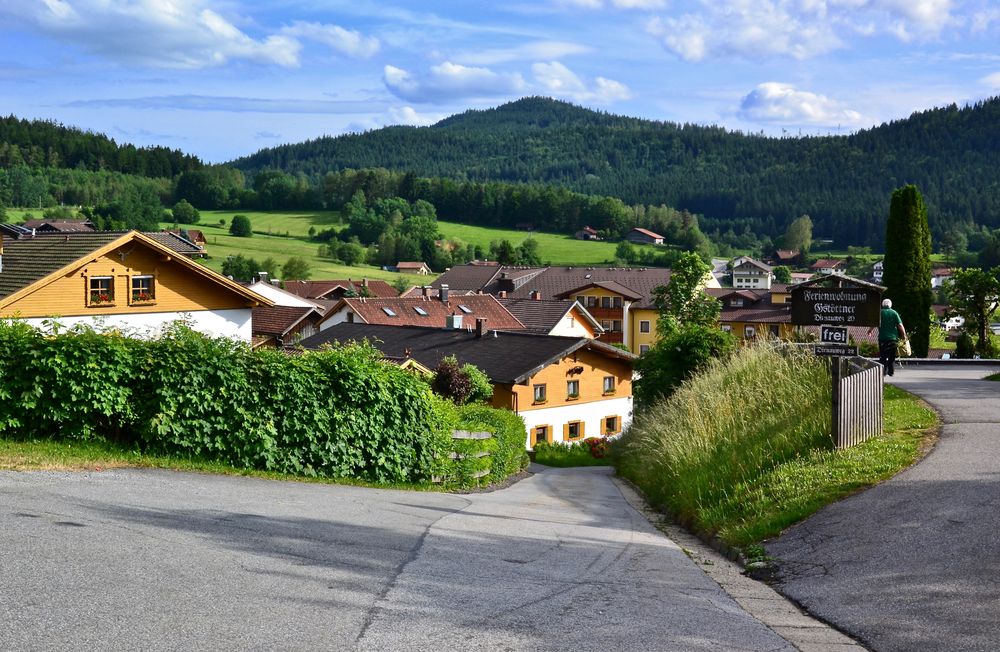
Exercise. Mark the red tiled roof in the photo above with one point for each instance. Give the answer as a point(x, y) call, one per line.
point(648, 233)
point(412, 265)
point(831, 263)
point(319, 289)
point(405, 311)
point(278, 320)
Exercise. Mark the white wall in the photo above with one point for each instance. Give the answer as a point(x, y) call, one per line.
point(236, 323)
point(572, 325)
point(338, 317)
point(590, 413)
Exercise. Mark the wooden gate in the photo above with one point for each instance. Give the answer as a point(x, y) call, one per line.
point(857, 400)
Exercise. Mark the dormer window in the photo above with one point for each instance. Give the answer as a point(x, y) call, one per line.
point(736, 302)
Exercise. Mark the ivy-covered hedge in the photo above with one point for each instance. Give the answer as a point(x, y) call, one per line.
point(507, 451)
point(336, 413)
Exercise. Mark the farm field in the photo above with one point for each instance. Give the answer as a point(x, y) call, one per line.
point(294, 223)
point(555, 249)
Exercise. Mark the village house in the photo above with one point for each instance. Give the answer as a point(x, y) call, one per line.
point(754, 313)
point(460, 311)
point(565, 318)
point(59, 226)
point(788, 257)
point(751, 274)
point(644, 236)
point(565, 388)
point(940, 276)
point(829, 266)
point(279, 326)
point(417, 267)
point(194, 236)
point(126, 281)
point(877, 269)
point(587, 233)
point(621, 299)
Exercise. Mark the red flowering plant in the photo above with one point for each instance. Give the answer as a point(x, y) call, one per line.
point(598, 447)
point(142, 296)
point(100, 297)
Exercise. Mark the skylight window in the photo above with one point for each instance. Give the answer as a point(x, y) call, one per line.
point(588, 276)
point(466, 309)
point(420, 311)
point(389, 311)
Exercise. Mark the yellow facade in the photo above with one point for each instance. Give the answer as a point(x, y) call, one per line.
point(165, 283)
point(587, 368)
point(640, 319)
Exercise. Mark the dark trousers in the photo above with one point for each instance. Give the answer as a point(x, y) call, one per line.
point(887, 355)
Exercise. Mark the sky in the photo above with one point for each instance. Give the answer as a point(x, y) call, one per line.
point(225, 78)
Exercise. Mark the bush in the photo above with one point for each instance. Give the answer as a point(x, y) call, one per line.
point(507, 453)
point(965, 347)
point(677, 357)
point(696, 452)
point(240, 226)
point(185, 213)
point(480, 387)
point(335, 413)
point(589, 452)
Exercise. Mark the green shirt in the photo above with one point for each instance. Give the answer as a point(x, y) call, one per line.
point(888, 327)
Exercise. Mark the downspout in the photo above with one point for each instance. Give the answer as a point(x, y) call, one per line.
point(626, 329)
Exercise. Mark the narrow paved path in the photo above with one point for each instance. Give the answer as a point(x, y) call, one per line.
point(157, 560)
point(914, 563)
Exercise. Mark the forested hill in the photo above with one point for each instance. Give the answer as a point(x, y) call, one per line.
point(46, 144)
point(735, 180)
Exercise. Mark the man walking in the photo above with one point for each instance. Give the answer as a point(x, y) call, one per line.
point(890, 331)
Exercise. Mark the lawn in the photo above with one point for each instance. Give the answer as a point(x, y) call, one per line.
point(293, 223)
point(555, 249)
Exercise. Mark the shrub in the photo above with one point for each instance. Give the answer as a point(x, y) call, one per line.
point(451, 382)
point(240, 226)
point(185, 213)
point(732, 423)
point(508, 455)
point(965, 347)
point(480, 387)
point(676, 357)
point(589, 452)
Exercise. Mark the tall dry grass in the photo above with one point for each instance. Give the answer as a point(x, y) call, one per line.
point(697, 452)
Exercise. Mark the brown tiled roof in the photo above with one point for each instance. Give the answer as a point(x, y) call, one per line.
point(62, 226)
point(407, 311)
point(543, 315)
point(610, 286)
point(755, 263)
point(319, 289)
point(649, 233)
point(411, 265)
point(786, 254)
point(831, 263)
point(176, 242)
point(758, 312)
point(493, 355)
point(31, 259)
point(194, 235)
point(278, 320)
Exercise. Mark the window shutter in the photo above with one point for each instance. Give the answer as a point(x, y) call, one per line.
point(604, 425)
point(565, 431)
point(583, 432)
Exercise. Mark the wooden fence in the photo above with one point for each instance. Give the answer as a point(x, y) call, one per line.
point(857, 400)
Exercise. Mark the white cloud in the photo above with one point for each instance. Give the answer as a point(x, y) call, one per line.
point(556, 79)
point(783, 103)
point(800, 29)
point(345, 41)
point(174, 33)
point(449, 81)
point(534, 50)
point(992, 81)
point(407, 115)
point(617, 4)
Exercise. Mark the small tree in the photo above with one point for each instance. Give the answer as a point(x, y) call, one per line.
point(296, 269)
point(481, 388)
point(782, 274)
point(240, 226)
point(451, 382)
point(799, 234)
point(975, 295)
point(185, 213)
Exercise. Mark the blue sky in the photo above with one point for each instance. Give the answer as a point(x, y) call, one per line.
point(224, 78)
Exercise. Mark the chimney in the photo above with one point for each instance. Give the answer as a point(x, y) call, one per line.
point(502, 294)
point(262, 277)
point(443, 293)
point(536, 295)
point(425, 291)
point(453, 322)
point(480, 327)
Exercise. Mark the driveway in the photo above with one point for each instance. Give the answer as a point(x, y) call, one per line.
point(146, 559)
point(914, 563)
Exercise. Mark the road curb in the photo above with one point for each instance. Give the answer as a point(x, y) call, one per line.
point(763, 603)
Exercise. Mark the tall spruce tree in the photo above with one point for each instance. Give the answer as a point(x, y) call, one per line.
point(907, 275)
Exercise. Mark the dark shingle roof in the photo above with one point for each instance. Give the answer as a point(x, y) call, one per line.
point(62, 226)
point(467, 278)
point(176, 242)
point(31, 259)
point(538, 316)
point(508, 358)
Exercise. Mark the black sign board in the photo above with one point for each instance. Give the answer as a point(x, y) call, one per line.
point(844, 306)
point(835, 349)
point(833, 334)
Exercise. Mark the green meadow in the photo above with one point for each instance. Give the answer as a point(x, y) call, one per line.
point(555, 249)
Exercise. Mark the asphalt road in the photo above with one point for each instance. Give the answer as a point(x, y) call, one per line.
point(914, 563)
point(158, 560)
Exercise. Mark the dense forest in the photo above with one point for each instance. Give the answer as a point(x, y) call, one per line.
point(736, 182)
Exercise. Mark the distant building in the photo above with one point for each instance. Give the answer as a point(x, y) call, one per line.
point(59, 226)
point(940, 276)
point(751, 274)
point(587, 233)
point(416, 267)
point(829, 266)
point(787, 256)
point(445, 310)
point(643, 236)
point(877, 269)
point(338, 289)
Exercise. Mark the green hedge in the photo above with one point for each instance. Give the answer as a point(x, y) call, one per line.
point(507, 452)
point(335, 413)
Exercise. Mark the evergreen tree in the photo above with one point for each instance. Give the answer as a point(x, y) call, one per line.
point(907, 275)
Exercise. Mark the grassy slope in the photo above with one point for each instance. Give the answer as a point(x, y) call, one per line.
point(554, 248)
